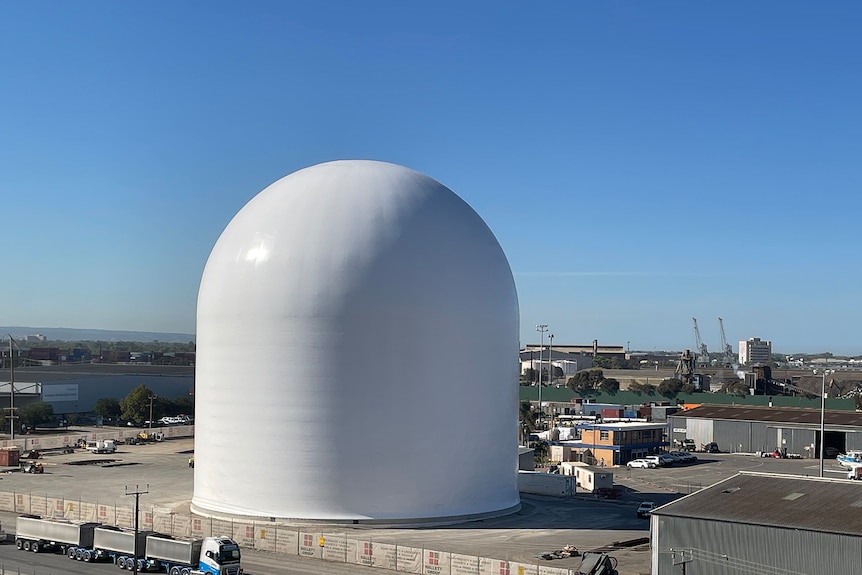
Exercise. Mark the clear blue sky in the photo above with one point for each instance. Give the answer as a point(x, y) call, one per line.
point(641, 163)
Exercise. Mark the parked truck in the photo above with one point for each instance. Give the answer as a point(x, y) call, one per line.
point(33, 533)
point(102, 446)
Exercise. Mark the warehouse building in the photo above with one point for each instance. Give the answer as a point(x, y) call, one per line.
point(751, 429)
point(760, 523)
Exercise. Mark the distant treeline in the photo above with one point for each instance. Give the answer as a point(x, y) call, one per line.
point(106, 346)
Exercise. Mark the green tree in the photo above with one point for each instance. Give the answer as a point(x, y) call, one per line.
point(586, 380)
point(609, 385)
point(670, 386)
point(35, 413)
point(107, 407)
point(136, 405)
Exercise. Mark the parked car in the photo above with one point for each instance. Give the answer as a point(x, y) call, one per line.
point(711, 447)
point(684, 456)
point(654, 459)
point(646, 508)
point(666, 460)
point(641, 463)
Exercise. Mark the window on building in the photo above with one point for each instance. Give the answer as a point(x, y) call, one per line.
point(604, 434)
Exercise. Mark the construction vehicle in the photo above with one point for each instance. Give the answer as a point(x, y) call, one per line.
point(32, 467)
point(597, 564)
point(93, 542)
point(151, 436)
point(33, 533)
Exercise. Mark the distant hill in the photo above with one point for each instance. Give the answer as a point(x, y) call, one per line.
point(74, 334)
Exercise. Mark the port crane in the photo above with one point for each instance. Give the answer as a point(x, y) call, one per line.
point(699, 345)
point(726, 349)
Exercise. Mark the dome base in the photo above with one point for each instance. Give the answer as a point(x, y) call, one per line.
point(364, 522)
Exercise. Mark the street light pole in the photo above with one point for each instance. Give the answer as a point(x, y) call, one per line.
point(822, 419)
point(12, 417)
point(152, 397)
point(541, 328)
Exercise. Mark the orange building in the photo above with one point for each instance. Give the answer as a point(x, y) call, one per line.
point(619, 443)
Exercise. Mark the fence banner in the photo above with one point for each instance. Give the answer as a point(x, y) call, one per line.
point(181, 525)
point(522, 569)
point(286, 541)
point(435, 562)
point(221, 528)
point(106, 514)
point(71, 509)
point(22, 503)
point(243, 533)
point(488, 566)
point(163, 522)
point(333, 546)
point(125, 517)
point(39, 505)
point(311, 544)
point(200, 528)
point(408, 559)
point(265, 536)
point(464, 564)
point(353, 551)
point(7, 501)
point(87, 511)
point(544, 570)
point(382, 555)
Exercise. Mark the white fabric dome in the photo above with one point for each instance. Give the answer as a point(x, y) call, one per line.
point(357, 344)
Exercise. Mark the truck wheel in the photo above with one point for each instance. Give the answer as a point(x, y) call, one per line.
point(70, 552)
point(185, 571)
point(88, 556)
point(34, 547)
point(121, 561)
point(175, 571)
point(19, 544)
point(130, 563)
point(26, 546)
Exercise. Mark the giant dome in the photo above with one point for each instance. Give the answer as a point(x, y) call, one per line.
point(357, 342)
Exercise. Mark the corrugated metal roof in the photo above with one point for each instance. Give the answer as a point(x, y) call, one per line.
point(786, 501)
point(772, 414)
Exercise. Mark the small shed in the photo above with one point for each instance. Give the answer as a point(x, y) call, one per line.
point(9, 457)
point(592, 478)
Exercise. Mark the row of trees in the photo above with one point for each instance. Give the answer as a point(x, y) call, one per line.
point(134, 407)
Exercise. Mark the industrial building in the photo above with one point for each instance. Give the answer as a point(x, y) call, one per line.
point(760, 523)
point(754, 350)
point(750, 429)
point(329, 266)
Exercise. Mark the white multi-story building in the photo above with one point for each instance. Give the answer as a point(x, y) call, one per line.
point(754, 350)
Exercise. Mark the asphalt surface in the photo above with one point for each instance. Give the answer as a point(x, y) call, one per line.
point(543, 524)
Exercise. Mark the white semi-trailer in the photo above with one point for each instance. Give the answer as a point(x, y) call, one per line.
point(33, 533)
point(112, 544)
point(216, 555)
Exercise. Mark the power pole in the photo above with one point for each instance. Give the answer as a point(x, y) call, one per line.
point(11, 407)
point(152, 397)
point(137, 493)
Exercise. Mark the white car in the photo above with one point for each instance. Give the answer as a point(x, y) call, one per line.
point(645, 508)
point(642, 463)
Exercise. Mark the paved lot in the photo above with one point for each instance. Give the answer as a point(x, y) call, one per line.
point(544, 523)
